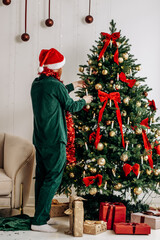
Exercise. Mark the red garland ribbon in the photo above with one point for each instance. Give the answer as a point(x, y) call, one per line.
point(152, 105)
point(127, 168)
point(115, 96)
point(157, 147)
point(113, 37)
point(147, 144)
point(70, 147)
point(91, 179)
point(130, 82)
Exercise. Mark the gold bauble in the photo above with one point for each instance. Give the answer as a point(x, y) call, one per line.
point(85, 128)
point(100, 64)
point(99, 46)
point(139, 145)
point(117, 86)
point(125, 56)
point(111, 82)
point(89, 61)
point(118, 186)
point(138, 103)
point(124, 157)
point(126, 100)
point(93, 191)
point(112, 133)
point(138, 68)
point(156, 135)
point(138, 190)
point(100, 146)
point(100, 106)
point(145, 158)
point(156, 172)
point(148, 171)
point(71, 175)
point(137, 83)
point(88, 106)
point(101, 161)
point(105, 144)
point(79, 127)
point(81, 69)
point(124, 113)
point(138, 131)
point(110, 85)
point(118, 44)
point(93, 170)
point(108, 122)
point(146, 105)
point(158, 132)
point(104, 72)
point(98, 86)
point(120, 60)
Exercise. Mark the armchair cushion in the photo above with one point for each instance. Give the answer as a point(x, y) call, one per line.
point(5, 183)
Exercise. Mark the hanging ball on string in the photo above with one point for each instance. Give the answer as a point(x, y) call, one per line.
point(89, 19)
point(6, 2)
point(25, 37)
point(49, 22)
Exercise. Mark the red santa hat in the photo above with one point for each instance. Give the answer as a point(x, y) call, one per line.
point(50, 58)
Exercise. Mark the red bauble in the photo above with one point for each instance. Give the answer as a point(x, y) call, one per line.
point(89, 19)
point(157, 147)
point(25, 37)
point(6, 2)
point(49, 22)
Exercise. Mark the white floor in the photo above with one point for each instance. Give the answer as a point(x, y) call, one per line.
point(63, 226)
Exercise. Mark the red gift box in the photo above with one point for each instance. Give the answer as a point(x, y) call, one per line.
point(132, 228)
point(112, 213)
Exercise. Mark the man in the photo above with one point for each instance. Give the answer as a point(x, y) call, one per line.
point(50, 100)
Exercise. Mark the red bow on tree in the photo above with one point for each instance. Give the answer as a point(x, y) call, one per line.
point(130, 82)
point(157, 147)
point(91, 179)
point(127, 168)
point(115, 96)
point(109, 37)
point(152, 105)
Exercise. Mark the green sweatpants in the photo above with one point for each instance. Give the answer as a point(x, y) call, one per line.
point(50, 163)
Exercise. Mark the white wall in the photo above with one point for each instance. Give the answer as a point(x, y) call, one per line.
point(138, 20)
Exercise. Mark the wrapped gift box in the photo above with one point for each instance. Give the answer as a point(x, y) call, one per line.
point(58, 209)
point(76, 216)
point(94, 227)
point(112, 213)
point(152, 218)
point(132, 228)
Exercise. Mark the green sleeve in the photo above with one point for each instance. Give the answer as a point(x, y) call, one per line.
point(67, 102)
point(70, 87)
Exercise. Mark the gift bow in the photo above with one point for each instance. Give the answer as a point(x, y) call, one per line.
point(127, 168)
point(130, 82)
point(152, 105)
point(152, 214)
point(91, 179)
point(109, 37)
point(147, 144)
point(115, 96)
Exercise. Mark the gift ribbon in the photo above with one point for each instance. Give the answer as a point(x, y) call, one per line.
point(147, 144)
point(91, 179)
point(113, 37)
point(115, 96)
point(127, 168)
point(123, 78)
point(134, 225)
point(152, 214)
point(152, 104)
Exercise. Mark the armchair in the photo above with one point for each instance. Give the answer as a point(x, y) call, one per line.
point(16, 167)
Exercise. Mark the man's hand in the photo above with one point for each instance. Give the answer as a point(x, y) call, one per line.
point(88, 99)
point(80, 83)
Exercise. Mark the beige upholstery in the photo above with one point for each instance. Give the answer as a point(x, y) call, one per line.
point(16, 167)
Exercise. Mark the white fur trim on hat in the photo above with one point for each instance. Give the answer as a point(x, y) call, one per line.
point(56, 65)
point(40, 69)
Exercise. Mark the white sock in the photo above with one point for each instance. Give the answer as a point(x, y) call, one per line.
point(43, 228)
point(51, 221)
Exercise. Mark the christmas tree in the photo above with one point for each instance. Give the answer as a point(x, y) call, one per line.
point(117, 146)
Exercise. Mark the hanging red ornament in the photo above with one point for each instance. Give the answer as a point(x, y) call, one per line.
point(25, 36)
point(49, 22)
point(6, 2)
point(89, 18)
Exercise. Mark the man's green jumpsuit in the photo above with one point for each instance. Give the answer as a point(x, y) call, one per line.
point(50, 100)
